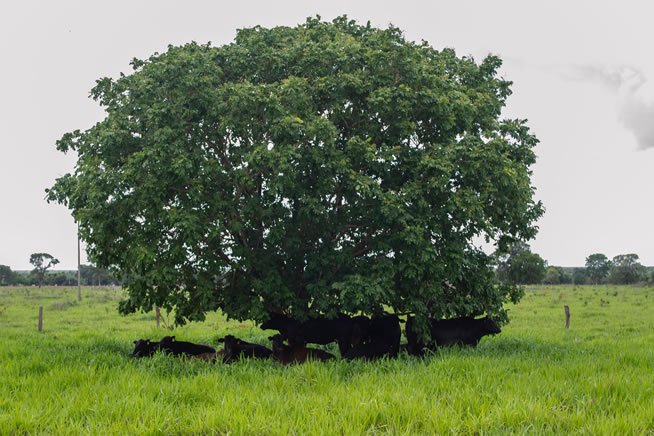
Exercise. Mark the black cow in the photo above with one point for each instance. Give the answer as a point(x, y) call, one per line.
point(210, 357)
point(457, 331)
point(285, 325)
point(144, 348)
point(359, 327)
point(295, 353)
point(170, 345)
point(369, 351)
point(462, 331)
point(386, 330)
point(236, 348)
point(341, 329)
point(380, 336)
point(414, 346)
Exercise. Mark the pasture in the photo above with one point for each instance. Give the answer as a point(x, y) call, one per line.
point(536, 377)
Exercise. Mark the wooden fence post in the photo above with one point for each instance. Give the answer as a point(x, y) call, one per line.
point(567, 316)
point(40, 318)
point(156, 308)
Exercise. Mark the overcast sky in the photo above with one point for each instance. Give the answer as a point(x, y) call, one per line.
point(583, 75)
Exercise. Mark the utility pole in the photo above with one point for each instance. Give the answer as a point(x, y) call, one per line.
point(79, 276)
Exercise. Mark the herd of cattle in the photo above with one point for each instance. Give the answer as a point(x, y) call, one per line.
point(358, 337)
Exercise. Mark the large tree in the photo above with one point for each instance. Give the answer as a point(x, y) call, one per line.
point(330, 167)
point(519, 265)
point(552, 276)
point(625, 269)
point(42, 262)
point(597, 267)
point(6, 275)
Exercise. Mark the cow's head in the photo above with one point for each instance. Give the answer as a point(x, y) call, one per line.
point(277, 342)
point(167, 340)
point(232, 349)
point(491, 327)
point(230, 341)
point(143, 348)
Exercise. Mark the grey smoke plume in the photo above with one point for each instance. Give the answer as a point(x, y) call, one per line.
point(621, 78)
point(636, 113)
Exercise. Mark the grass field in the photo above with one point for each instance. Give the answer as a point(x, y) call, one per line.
point(76, 377)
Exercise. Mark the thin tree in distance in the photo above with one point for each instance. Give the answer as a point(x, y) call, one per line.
point(42, 263)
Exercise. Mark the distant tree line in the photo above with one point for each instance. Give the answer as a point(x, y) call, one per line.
point(519, 266)
point(89, 275)
point(523, 267)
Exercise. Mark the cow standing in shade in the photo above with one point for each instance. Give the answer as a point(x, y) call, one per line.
point(457, 331)
point(342, 329)
point(284, 324)
point(369, 351)
point(379, 337)
point(462, 331)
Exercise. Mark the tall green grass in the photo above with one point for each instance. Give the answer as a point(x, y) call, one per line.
point(536, 377)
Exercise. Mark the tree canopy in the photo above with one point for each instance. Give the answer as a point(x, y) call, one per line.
point(598, 266)
point(519, 265)
point(552, 276)
point(42, 263)
point(6, 275)
point(626, 269)
point(329, 167)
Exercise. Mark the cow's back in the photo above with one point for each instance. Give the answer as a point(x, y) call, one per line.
point(461, 331)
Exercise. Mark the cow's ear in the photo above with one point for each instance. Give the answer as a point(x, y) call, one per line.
point(148, 342)
point(173, 339)
point(136, 342)
point(238, 342)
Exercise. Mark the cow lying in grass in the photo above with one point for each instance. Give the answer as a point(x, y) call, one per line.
point(210, 357)
point(287, 354)
point(446, 332)
point(236, 348)
point(170, 345)
point(144, 348)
